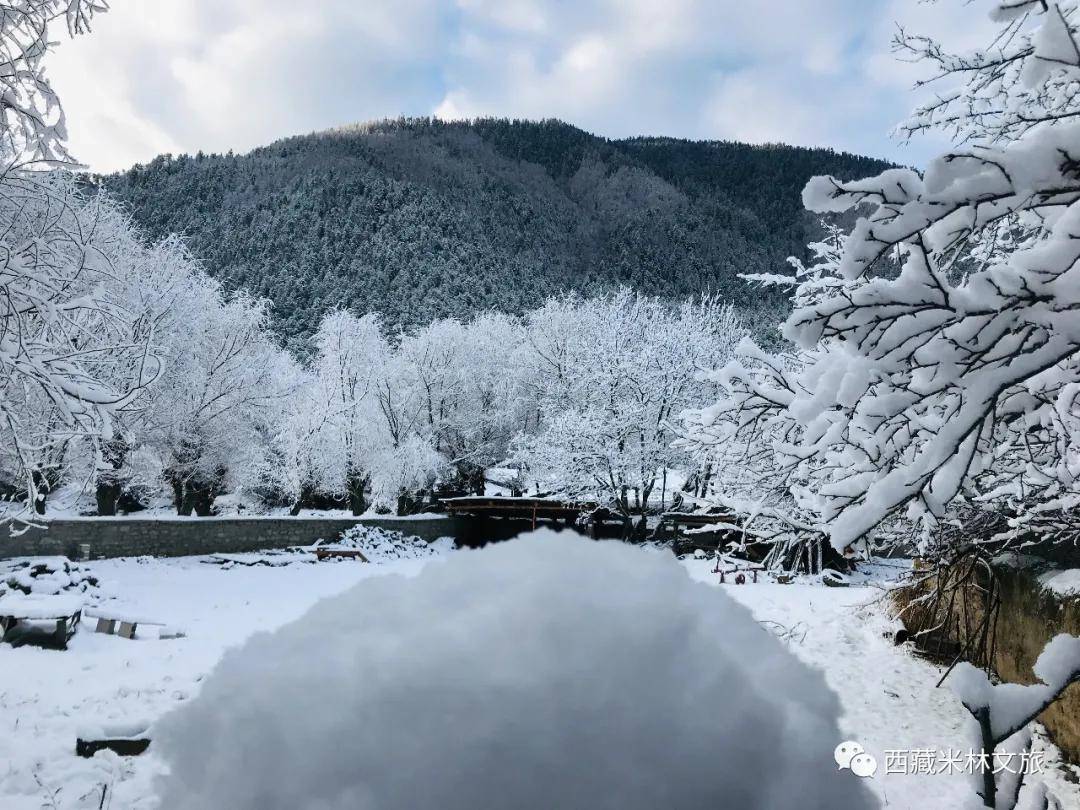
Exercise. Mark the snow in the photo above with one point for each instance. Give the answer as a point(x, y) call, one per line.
point(131, 730)
point(887, 696)
point(548, 671)
point(47, 697)
point(40, 607)
point(49, 576)
point(1059, 662)
point(1061, 582)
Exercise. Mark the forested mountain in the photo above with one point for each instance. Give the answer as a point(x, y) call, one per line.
point(421, 219)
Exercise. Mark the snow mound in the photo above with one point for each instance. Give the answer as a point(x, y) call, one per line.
point(49, 576)
point(1062, 583)
point(381, 545)
point(546, 672)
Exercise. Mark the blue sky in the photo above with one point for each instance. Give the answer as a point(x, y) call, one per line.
point(182, 75)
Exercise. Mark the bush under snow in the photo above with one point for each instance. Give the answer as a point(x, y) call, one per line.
point(379, 545)
point(49, 576)
point(546, 672)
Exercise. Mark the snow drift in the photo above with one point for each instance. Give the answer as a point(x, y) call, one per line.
point(549, 671)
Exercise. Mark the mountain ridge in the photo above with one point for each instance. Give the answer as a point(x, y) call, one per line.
point(422, 218)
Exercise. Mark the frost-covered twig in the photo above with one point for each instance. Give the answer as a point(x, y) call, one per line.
point(1002, 712)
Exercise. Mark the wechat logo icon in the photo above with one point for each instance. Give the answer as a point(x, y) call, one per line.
point(850, 755)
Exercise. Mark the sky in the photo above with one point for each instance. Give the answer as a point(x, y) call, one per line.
point(175, 76)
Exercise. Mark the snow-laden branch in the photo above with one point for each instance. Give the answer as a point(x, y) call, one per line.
point(958, 376)
point(1002, 712)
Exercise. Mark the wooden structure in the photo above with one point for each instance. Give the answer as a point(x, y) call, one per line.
point(127, 741)
point(531, 509)
point(688, 532)
point(123, 747)
point(121, 628)
point(126, 626)
point(21, 629)
point(738, 573)
point(335, 553)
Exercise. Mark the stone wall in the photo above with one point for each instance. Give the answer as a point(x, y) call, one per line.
point(177, 537)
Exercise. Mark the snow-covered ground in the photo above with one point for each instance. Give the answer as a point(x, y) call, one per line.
point(888, 696)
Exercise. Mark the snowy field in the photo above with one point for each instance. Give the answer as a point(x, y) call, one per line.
point(888, 697)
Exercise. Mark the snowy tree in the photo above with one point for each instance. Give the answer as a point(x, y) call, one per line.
point(32, 126)
point(75, 350)
point(748, 441)
point(809, 284)
point(304, 443)
point(404, 469)
point(611, 375)
point(375, 420)
point(412, 390)
point(156, 280)
point(468, 376)
point(351, 362)
point(76, 347)
point(958, 376)
point(207, 417)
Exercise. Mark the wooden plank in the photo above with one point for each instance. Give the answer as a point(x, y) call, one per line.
point(123, 747)
point(107, 626)
point(340, 553)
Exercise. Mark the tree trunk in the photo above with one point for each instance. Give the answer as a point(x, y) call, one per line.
point(705, 479)
point(107, 494)
point(110, 483)
point(177, 485)
point(356, 485)
point(197, 494)
point(201, 498)
point(476, 479)
point(204, 506)
point(40, 492)
point(407, 503)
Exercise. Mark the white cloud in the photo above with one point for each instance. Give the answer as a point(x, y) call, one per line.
point(234, 74)
point(755, 106)
point(514, 15)
point(183, 75)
